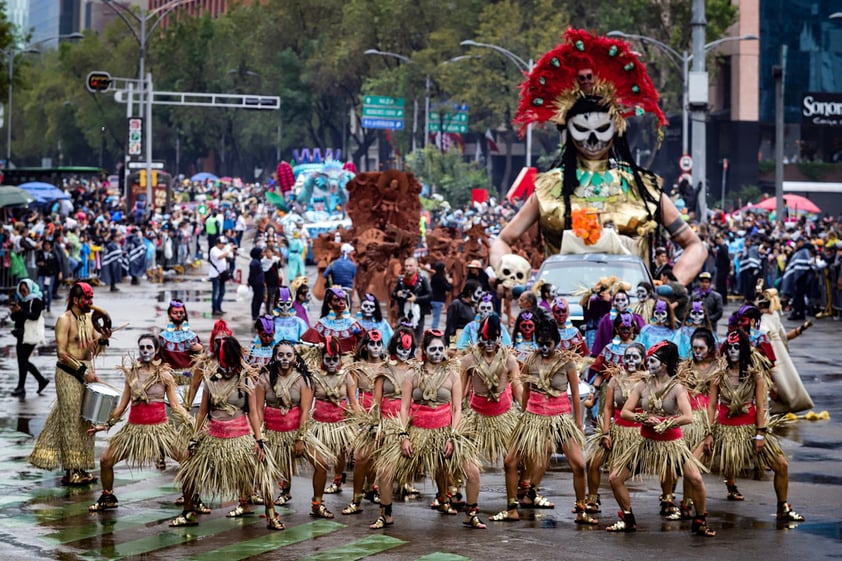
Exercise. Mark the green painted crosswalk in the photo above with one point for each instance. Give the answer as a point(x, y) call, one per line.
point(370, 545)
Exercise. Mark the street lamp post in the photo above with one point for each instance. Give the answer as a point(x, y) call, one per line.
point(685, 59)
point(10, 54)
point(523, 66)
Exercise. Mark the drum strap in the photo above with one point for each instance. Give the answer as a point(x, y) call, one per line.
point(79, 373)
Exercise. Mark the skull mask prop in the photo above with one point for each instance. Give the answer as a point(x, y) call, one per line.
point(513, 270)
point(592, 134)
point(697, 314)
point(285, 301)
point(621, 301)
point(660, 315)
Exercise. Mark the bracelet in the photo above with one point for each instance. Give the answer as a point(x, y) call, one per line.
point(763, 429)
point(759, 437)
point(640, 417)
point(260, 443)
point(111, 422)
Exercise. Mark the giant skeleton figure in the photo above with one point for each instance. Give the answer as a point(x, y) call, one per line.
point(587, 86)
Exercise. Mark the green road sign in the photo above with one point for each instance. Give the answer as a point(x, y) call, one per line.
point(383, 112)
point(382, 101)
point(449, 122)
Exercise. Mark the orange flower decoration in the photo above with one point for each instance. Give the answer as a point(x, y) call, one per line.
point(586, 225)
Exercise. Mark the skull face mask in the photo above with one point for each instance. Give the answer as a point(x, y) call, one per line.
point(403, 350)
point(485, 307)
point(435, 351)
point(660, 315)
point(367, 308)
point(527, 329)
point(697, 314)
point(632, 360)
point(145, 350)
point(621, 301)
point(488, 345)
point(284, 301)
point(642, 294)
point(592, 134)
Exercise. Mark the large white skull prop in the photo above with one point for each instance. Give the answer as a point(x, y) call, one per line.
point(592, 134)
point(513, 270)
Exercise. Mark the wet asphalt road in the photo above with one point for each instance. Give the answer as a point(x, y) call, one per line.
point(41, 520)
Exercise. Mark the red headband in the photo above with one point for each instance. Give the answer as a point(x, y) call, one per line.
point(87, 289)
point(734, 337)
point(655, 348)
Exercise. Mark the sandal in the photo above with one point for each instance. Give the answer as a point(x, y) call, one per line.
point(789, 515)
point(683, 512)
point(456, 501)
point(186, 518)
point(445, 507)
point(200, 508)
point(668, 506)
point(275, 523)
point(505, 515)
point(583, 516)
point(320, 511)
point(380, 523)
point(180, 500)
point(700, 527)
point(592, 504)
point(238, 512)
point(283, 499)
point(353, 508)
point(473, 521)
point(105, 501)
point(373, 496)
point(255, 499)
point(536, 500)
point(409, 490)
point(626, 523)
point(734, 494)
point(336, 485)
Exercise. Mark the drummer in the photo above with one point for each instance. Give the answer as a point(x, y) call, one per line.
point(147, 435)
point(65, 441)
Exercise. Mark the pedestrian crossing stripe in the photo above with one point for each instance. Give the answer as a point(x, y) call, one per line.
point(272, 540)
point(170, 537)
point(80, 507)
point(441, 556)
point(370, 545)
point(120, 524)
point(19, 501)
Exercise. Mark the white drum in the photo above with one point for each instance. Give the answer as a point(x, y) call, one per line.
point(99, 402)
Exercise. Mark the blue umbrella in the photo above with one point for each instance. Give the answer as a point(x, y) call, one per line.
point(44, 192)
point(204, 176)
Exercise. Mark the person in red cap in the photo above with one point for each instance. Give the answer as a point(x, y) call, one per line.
point(64, 441)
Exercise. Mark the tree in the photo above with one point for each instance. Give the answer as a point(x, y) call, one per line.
point(447, 174)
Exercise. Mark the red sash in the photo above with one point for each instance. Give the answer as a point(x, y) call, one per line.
point(148, 413)
point(390, 407)
point(427, 417)
point(278, 422)
point(327, 412)
point(620, 422)
point(366, 400)
point(229, 429)
point(722, 417)
point(699, 402)
point(649, 433)
point(491, 408)
point(546, 406)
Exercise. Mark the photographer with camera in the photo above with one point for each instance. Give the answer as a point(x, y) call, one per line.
point(412, 296)
point(218, 273)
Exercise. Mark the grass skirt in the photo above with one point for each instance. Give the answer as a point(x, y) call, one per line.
point(227, 468)
point(427, 458)
point(64, 442)
point(694, 433)
point(336, 437)
point(492, 434)
point(623, 439)
point(533, 431)
point(281, 446)
point(733, 449)
point(660, 458)
point(143, 445)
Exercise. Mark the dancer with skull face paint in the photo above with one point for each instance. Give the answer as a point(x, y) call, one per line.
point(695, 374)
point(596, 169)
point(178, 342)
point(696, 318)
point(335, 393)
point(336, 322)
point(147, 436)
point(64, 440)
point(605, 332)
point(665, 407)
point(371, 317)
point(741, 437)
point(571, 337)
point(367, 362)
point(524, 334)
point(432, 441)
point(491, 380)
point(662, 326)
point(548, 422)
point(615, 435)
point(388, 384)
point(288, 326)
point(645, 304)
point(470, 333)
point(284, 394)
point(228, 457)
point(747, 318)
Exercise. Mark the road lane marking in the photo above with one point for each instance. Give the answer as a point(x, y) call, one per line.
point(370, 545)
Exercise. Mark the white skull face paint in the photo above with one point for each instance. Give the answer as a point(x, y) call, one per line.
point(375, 348)
point(632, 360)
point(621, 301)
point(592, 134)
point(403, 354)
point(285, 306)
point(488, 345)
point(485, 309)
point(654, 364)
point(331, 363)
point(733, 352)
point(642, 294)
point(697, 317)
point(367, 308)
point(284, 356)
point(700, 350)
point(435, 351)
point(477, 295)
point(146, 350)
point(546, 348)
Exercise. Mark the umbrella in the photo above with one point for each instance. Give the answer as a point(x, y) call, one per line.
point(14, 196)
point(204, 176)
point(794, 202)
point(44, 192)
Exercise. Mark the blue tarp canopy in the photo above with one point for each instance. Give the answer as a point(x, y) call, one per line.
point(44, 192)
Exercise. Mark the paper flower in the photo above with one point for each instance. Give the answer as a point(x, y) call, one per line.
point(586, 225)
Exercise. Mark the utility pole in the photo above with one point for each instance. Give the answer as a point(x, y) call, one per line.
point(779, 74)
point(698, 100)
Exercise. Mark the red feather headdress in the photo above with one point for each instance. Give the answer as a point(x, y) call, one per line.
point(561, 78)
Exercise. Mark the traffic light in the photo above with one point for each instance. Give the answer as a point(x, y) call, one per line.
point(142, 178)
point(98, 81)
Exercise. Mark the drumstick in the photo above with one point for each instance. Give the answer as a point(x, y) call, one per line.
point(125, 325)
